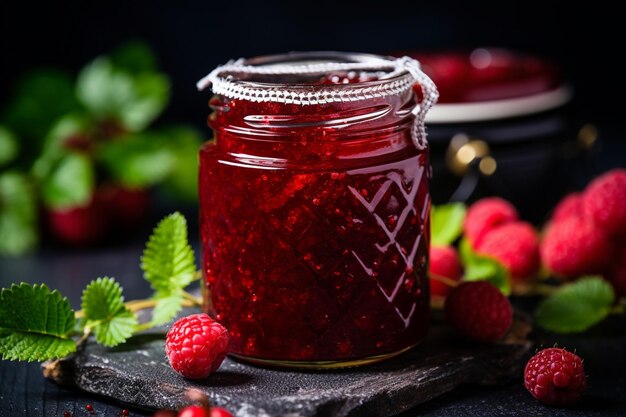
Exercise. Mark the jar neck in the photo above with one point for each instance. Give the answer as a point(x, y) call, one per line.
point(361, 129)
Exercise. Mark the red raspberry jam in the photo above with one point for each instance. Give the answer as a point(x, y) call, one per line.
point(315, 225)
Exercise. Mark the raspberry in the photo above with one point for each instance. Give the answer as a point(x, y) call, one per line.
point(555, 376)
point(617, 271)
point(197, 411)
point(479, 311)
point(604, 201)
point(486, 215)
point(574, 247)
point(444, 262)
point(193, 411)
point(516, 246)
point(570, 206)
point(196, 345)
point(220, 412)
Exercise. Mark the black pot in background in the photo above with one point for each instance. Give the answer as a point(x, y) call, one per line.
point(504, 127)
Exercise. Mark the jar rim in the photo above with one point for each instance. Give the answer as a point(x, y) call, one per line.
point(391, 77)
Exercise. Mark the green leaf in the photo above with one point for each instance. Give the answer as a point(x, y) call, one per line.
point(70, 181)
point(483, 268)
point(113, 93)
point(39, 100)
point(134, 57)
point(8, 146)
point(166, 308)
point(68, 127)
point(577, 306)
point(168, 261)
point(35, 324)
point(138, 160)
point(446, 223)
point(105, 312)
point(18, 214)
point(182, 181)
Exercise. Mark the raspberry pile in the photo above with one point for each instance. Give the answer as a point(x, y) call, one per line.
point(587, 232)
point(555, 376)
point(196, 345)
point(493, 228)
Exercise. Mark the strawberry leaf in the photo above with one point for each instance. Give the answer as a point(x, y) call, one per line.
point(112, 92)
point(35, 323)
point(483, 268)
point(166, 308)
point(105, 312)
point(70, 181)
point(446, 223)
point(8, 146)
point(577, 306)
point(18, 214)
point(168, 261)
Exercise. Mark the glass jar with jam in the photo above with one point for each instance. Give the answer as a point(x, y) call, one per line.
point(314, 207)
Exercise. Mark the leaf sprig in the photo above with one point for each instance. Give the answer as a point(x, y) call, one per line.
point(37, 324)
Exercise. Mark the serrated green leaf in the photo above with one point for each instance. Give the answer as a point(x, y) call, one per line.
point(40, 98)
point(446, 223)
point(8, 146)
point(483, 268)
point(113, 93)
point(138, 160)
point(117, 329)
point(102, 299)
point(70, 182)
point(167, 308)
point(577, 306)
point(168, 261)
point(105, 313)
point(18, 214)
point(35, 323)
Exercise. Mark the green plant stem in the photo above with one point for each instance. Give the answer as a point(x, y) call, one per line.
point(543, 290)
point(84, 337)
point(196, 301)
point(447, 281)
point(136, 305)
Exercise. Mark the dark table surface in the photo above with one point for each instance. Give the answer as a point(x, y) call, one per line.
point(24, 391)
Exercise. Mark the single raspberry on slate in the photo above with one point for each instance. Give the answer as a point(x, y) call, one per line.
point(570, 206)
point(485, 215)
point(479, 311)
point(604, 201)
point(555, 376)
point(516, 246)
point(444, 262)
point(616, 273)
point(196, 345)
point(574, 247)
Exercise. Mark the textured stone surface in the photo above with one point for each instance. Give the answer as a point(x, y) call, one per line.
point(137, 373)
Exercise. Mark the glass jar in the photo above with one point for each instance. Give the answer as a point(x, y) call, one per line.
point(314, 208)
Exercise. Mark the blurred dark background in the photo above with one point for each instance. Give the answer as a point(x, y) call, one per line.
point(191, 38)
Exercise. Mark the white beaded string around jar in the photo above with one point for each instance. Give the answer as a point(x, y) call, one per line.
point(223, 83)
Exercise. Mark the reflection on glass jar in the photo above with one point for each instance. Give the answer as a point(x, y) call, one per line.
point(315, 217)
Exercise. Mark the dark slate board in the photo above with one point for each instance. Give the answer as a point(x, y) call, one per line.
point(138, 374)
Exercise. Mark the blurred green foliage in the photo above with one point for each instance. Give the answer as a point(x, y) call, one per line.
point(61, 139)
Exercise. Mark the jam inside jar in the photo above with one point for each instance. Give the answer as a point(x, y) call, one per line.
point(314, 210)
